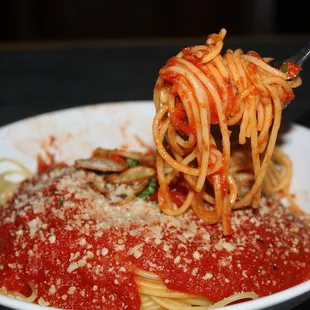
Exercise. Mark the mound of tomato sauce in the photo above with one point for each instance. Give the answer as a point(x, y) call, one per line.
point(78, 251)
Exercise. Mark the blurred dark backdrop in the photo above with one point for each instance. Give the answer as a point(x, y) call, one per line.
point(33, 20)
point(56, 54)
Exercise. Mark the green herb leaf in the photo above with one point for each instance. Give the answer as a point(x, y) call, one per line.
point(284, 68)
point(132, 163)
point(149, 190)
point(153, 183)
point(146, 192)
point(61, 201)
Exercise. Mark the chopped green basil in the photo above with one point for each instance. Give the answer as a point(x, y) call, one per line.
point(149, 190)
point(152, 183)
point(132, 163)
point(284, 68)
point(61, 201)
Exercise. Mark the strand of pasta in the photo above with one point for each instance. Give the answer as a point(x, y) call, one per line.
point(13, 168)
point(31, 298)
point(155, 295)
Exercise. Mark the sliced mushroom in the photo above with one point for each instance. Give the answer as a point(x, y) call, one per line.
point(132, 155)
point(101, 164)
point(100, 152)
point(138, 187)
point(123, 200)
point(131, 175)
point(99, 186)
point(136, 156)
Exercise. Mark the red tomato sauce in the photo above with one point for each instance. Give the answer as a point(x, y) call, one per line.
point(254, 54)
point(115, 157)
point(178, 191)
point(180, 121)
point(292, 69)
point(55, 234)
point(49, 164)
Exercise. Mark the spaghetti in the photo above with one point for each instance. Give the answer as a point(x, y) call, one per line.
point(199, 88)
point(15, 169)
point(155, 295)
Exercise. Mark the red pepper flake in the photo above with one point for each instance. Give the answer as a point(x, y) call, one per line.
point(180, 121)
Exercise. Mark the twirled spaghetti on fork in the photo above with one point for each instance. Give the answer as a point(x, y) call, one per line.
point(199, 88)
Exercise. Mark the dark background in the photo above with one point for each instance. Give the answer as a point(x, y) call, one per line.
point(41, 20)
point(56, 54)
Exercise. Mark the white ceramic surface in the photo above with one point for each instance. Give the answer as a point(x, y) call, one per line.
point(78, 131)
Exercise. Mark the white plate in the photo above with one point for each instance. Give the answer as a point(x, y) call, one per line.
point(78, 131)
